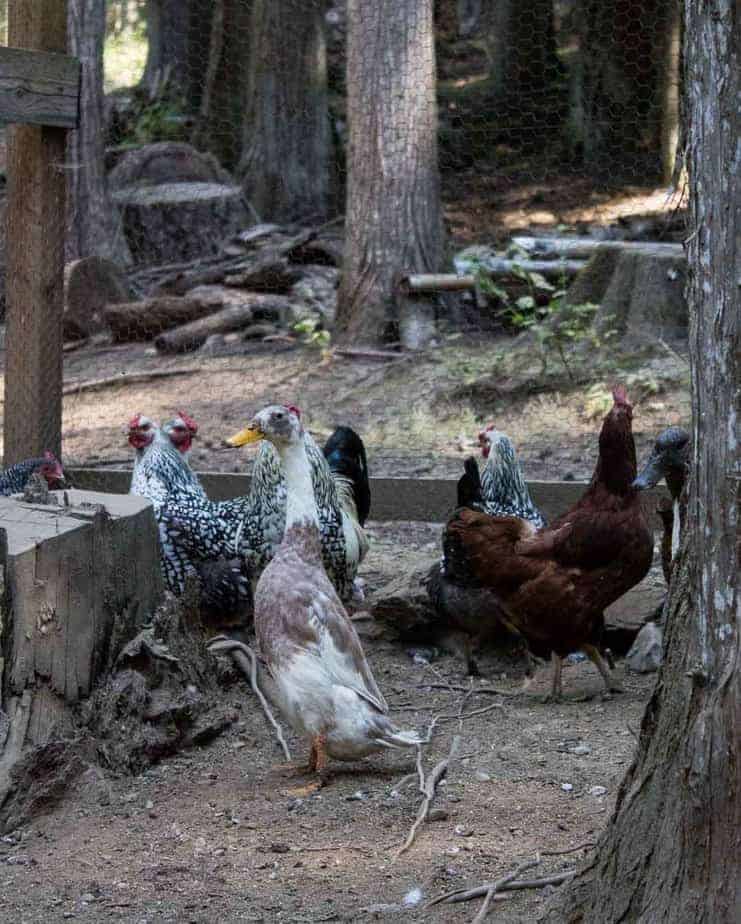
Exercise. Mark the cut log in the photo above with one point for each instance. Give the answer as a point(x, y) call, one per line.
point(180, 221)
point(89, 285)
point(474, 258)
point(187, 277)
point(268, 273)
point(72, 607)
point(437, 282)
point(136, 321)
point(193, 335)
point(573, 248)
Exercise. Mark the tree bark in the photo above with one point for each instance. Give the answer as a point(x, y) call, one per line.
point(622, 107)
point(93, 222)
point(285, 166)
point(524, 66)
point(670, 852)
point(394, 215)
point(225, 82)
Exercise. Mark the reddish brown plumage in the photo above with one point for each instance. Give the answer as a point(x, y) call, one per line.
point(555, 584)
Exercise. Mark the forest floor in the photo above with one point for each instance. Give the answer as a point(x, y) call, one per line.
point(219, 833)
point(418, 415)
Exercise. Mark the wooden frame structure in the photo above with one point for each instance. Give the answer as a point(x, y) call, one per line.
point(39, 94)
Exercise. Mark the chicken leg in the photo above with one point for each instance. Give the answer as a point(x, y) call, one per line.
point(556, 686)
point(593, 653)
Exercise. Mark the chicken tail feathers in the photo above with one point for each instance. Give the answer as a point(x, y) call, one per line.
point(345, 455)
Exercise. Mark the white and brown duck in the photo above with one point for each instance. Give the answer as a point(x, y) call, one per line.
point(322, 682)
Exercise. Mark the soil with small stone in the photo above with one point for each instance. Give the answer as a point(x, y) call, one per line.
point(221, 833)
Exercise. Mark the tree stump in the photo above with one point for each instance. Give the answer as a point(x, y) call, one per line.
point(639, 288)
point(89, 285)
point(166, 162)
point(79, 581)
point(174, 222)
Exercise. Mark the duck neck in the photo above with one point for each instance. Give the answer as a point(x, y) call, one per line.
point(301, 506)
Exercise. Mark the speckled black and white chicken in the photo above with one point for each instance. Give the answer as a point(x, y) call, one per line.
point(471, 611)
point(251, 527)
point(161, 474)
point(14, 479)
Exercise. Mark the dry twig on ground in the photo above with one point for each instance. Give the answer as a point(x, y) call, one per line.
point(428, 786)
point(244, 657)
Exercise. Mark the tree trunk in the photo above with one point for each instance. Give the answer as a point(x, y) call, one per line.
point(93, 222)
point(622, 107)
point(394, 216)
point(285, 166)
point(225, 82)
point(670, 852)
point(524, 66)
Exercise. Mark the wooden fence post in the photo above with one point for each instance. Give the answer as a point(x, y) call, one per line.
point(35, 254)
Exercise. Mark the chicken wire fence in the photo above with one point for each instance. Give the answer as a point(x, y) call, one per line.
point(210, 179)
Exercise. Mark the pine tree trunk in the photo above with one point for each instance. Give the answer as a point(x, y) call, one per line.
point(621, 107)
point(394, 217)
point(93, 222)
point(225, 82)
point(285, 166)
point(671, 850)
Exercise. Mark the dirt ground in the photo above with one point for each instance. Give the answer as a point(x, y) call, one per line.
point(419, 416)
point(219, 833)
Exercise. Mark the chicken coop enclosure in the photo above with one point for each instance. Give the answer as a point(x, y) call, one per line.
point(211, 207)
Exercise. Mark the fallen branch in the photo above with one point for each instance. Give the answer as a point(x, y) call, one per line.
point(488, 691)
point(372, 354)
point(127, 378)
point(244, 657)
point(467, 895)
point(427, 788)
point(496, 886)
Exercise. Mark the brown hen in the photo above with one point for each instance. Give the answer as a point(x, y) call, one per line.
point(555, 584)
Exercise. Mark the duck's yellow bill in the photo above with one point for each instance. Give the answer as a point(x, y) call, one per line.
point(248, 435)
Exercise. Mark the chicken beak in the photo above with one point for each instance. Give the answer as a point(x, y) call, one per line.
point(248, 435)
point(651, 473)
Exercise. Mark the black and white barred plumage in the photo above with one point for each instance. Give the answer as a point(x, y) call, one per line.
point(14, 479)
point(252, 527)
point(503, 487)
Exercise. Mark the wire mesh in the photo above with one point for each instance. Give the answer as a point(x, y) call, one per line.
point(206, 216)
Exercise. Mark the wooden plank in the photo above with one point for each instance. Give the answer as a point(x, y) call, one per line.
point(393, 499)
point(35, 255)
point(39, 88)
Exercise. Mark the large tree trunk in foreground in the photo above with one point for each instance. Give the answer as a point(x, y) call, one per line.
point(286, 156)
point(671, 850)
point(394, 219)
point(93, 222)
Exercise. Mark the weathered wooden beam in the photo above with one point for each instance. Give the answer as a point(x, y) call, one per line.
point(39, 88)
point(35, 255)
point(422, 499)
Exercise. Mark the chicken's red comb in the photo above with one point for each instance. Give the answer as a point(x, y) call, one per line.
point(135, 421)
point(49, 455)
point(188, 421)
point(294, 410)
point(620, 395)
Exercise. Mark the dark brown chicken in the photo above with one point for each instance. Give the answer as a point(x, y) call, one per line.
point(554, 584)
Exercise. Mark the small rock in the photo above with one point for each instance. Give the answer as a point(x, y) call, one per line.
point(87, 897)
point(598, 791)
point(581, 750)
point(358, 796)
point(149, 805)
point(645, 655)
point(280, 848)
point(576, 657)
point(438, 815)
point(452, 797)
point(483, 776)
point(462, 831)
point(413, 897)
point(567, 787)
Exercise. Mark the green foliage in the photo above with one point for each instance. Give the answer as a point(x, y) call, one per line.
point(313, 333)
point(159, 120)
point(559, 328)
